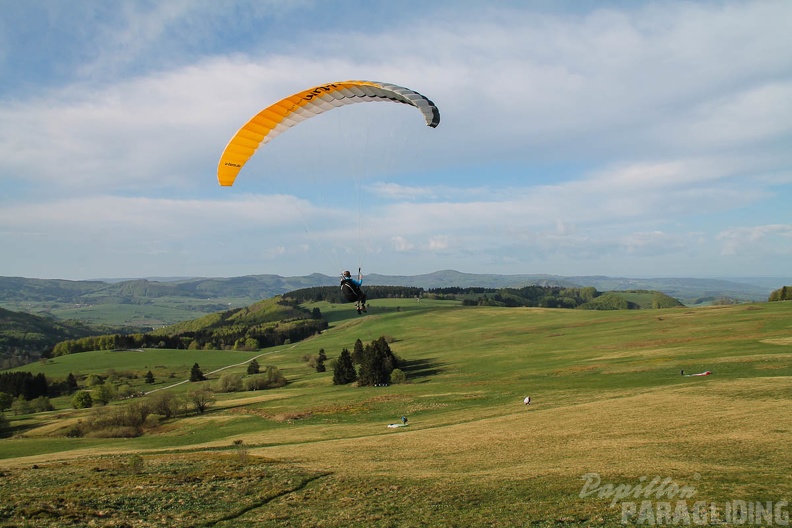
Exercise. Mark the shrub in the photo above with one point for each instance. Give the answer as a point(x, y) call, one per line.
point(95, 380)
point(41, 404)
point(21, 406)
point(229, 383)
point(164, 403)
point(117, 431)
point(82, 400)
point(125, 421)
point(271, 378)
point(135, 464)
point(243, 453)
point(398, 376)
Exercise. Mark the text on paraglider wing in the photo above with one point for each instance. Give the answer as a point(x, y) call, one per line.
point(229, 164)
point(318, 91)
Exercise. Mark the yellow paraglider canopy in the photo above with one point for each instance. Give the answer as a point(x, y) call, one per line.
point(303, 105)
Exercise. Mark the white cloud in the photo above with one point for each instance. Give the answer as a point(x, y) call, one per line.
point(775, 240)
point(401, 244)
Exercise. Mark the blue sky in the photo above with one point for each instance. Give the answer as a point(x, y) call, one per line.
point(637, 139)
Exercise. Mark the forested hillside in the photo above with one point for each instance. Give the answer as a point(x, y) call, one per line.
point(25, 338)
point(264, 324)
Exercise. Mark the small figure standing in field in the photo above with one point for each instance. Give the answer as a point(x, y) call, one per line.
point(527, 400)
point(404, 420)
point(682, 372)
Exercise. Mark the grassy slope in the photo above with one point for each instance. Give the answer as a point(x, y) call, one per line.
point(607, 398)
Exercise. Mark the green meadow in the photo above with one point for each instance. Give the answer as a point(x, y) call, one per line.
point(610, 413)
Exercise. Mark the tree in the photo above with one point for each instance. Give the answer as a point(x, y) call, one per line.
point(82, 400)
point(104, 393)
point(21, 406)
point(377, 363)
point(71, 383)
point(253, 367)
point(784, 293)
point(201, 399)
point(374, 369)
point(344, 371)
point(320, 361)
point(163, 403)
point(5, 401)
point(149, 377)
point(357, 352)
point(196, 374)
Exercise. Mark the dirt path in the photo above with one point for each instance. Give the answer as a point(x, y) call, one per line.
point(214, 371)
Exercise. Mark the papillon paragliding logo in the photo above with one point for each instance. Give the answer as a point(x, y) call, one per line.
point(661, 501)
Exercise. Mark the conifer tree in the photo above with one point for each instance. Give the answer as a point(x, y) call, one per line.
point(253, 367)
point(320, 361)
point(344, 371)
point(196, 374)
point(358, 352)
point(71, 383)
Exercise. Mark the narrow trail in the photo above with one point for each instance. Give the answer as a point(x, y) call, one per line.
point(239, 513)
point(214, 371)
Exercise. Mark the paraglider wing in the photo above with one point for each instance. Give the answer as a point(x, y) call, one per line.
point(287, 112)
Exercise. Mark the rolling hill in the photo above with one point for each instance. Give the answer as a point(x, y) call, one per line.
point(143, 303)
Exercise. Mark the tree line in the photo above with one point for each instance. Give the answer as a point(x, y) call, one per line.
point(332, 294)
point(784, 293)
point(584, 298)
point(231, 337)
point(24, 384)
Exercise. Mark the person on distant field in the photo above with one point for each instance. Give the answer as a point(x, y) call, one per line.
point(404, 420)
point(350, 289)
point(527, 400)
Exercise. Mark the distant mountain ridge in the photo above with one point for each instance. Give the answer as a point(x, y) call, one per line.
point(257, 287)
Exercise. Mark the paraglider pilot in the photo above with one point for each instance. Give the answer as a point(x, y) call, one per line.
point(350, 289)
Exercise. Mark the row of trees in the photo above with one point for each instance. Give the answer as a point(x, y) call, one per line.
point(17, 388)
point(238, 337)
point(24, 384)
point(373, 364)
point(332, 294)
